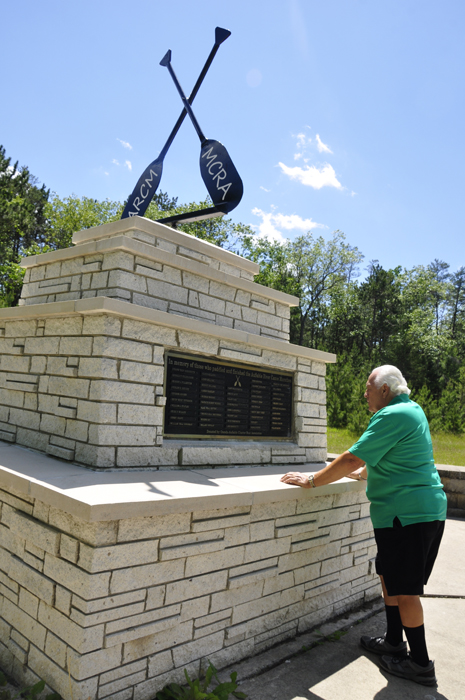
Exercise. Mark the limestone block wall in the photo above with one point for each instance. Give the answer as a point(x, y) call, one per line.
point(115, 609)
point(176, 273)
point(86, 385)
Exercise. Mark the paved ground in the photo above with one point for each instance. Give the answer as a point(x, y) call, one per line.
point(341, 670)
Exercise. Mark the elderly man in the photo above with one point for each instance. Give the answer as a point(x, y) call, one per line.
point(408, 510)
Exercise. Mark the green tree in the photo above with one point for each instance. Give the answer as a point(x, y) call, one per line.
point(379, 308)
point(440, 276)
point(68, 215)
point(23, 222)
point(456, 304)
point(321, 268)
point(345, 384)
point(422, 347)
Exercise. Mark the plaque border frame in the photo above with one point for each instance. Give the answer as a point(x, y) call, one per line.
point(225, 438)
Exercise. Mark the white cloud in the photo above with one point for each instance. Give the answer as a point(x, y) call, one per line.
point(115, 161)
point(264, 189)
point(298, 156)
point(322, 147)
point(312, 176)
point(128, 164)
point(273, 221)
point(302, 140)
point(106, 173)
point(125, 144)
point(292, 222)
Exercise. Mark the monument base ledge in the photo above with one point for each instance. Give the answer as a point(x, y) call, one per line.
point(119, 493)
point(113, 583)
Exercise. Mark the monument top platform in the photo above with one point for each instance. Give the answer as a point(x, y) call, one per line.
point(152, 233)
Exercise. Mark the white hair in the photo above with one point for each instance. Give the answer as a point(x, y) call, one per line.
point(390, 375)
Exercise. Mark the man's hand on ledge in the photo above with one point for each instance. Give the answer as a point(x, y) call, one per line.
point(296, 479)
point(343, 465)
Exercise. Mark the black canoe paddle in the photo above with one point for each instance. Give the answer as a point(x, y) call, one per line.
point(150, 179)
point(218, 172)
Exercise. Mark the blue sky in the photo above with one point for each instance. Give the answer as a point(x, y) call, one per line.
point(343, 114)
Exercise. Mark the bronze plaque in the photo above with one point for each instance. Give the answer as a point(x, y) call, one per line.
point(219, 399)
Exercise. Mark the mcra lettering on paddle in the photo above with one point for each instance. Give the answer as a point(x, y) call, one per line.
point(220, 176)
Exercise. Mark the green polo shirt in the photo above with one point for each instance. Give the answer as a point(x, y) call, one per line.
point(402, 478)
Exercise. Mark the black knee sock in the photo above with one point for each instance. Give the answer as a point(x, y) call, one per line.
point(417, 643)
point(394, 625)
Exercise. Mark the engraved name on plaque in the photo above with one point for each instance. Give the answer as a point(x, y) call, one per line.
point(218, 399)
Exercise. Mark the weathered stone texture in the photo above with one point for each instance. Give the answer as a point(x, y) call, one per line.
point(161, 275)
point(118, 603)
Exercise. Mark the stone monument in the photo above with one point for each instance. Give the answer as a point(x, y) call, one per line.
point(149, 402)
point(153, 360)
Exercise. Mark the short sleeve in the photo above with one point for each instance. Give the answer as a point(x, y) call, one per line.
point(382, 434)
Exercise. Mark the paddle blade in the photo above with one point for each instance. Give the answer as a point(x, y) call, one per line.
point(221, 35)
point(220, 176)
point(166, 59)
point(143, 192)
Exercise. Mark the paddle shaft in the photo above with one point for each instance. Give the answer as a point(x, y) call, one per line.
point(220, 36)
point(148, 182)
point(166, 61)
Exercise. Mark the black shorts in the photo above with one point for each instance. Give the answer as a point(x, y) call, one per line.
point(406, 555)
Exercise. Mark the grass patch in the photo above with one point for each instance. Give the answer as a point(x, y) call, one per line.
point(340, 439)
point(448, 448)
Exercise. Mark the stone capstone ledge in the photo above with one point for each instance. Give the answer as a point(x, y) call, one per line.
point(453, 480)
point(94, 239)
point(139, 248)
point(99, 305)
point(109, 495)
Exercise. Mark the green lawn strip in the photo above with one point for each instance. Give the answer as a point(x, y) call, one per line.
point(448, 448)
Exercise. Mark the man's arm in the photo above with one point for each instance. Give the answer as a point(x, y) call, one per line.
point(342, 466)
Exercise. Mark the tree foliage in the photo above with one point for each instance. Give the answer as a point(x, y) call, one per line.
point(22, 222)
point(414, 319)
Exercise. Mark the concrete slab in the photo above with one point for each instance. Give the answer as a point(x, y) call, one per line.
point(336, 667)
point(448, 577)
point(341, 670)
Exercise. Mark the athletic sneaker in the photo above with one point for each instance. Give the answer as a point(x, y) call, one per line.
point(408, 669)
point(378, 645)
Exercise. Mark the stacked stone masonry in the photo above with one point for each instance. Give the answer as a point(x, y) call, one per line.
point(89, 388)
point(175, 275)
point(111, 599)
point(117, 609)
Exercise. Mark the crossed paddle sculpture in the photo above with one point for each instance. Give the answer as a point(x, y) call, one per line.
point(218, 172)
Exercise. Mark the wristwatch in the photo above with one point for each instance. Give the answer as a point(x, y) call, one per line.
point(310, 481)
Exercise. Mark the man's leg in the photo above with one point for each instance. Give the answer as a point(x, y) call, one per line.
point(392, 643)
point(394, 622)
point(411, 613)
point(417, 666)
